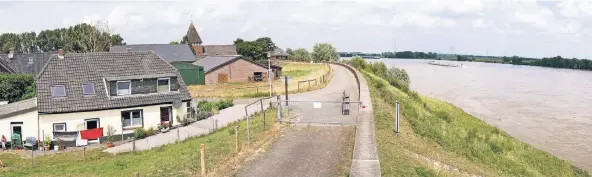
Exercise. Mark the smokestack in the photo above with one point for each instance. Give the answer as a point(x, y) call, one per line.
point(60, 54)
point(129, 50)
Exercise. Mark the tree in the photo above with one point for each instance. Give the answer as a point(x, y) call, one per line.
point(324, 52)
point(173, 42)
point(266, 43)
point(255, 50)
point(16, 87)
point(300, 54)
point(289, 51)
point(238, 40)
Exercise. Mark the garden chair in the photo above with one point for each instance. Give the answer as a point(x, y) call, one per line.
point(30, 143)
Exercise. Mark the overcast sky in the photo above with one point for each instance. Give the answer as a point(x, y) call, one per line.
point(524, 28)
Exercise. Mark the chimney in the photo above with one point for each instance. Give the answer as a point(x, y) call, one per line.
point(60, 54)
point(129, 50)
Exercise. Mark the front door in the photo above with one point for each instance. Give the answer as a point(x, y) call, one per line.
point(166, 114)
point(92, 124)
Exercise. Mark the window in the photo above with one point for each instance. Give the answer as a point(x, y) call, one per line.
point(124, 88)
point(88, 89)
point(164, 85)
point(58, 91)
point(132, 118)
point(59, 127)
point(258, 76)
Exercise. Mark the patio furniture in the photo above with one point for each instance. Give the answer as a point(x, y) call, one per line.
point(30, 143)
point(16, 141)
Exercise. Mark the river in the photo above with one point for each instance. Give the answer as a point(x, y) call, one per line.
point(548, 108)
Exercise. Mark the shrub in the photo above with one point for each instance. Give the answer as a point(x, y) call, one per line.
point(139, 133)
point(203, 115)
point(110, 132)
point(214, 106)
point(150, 131)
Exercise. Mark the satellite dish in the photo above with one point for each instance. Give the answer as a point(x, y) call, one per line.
point(177, 103)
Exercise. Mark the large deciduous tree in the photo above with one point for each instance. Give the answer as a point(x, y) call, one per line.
point(300, 54)
point(255, 50)
point(324, 52)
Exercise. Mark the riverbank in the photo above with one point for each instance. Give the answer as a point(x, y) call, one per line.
point(439, 139)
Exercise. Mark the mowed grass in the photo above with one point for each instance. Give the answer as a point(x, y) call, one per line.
point(439, 139)
point(298, 72)
point(181, 159)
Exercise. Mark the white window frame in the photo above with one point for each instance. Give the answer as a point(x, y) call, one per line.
point(159, 79)
point(52, 95)
point(64, 124)
point(132, 119)
point(129, 88)
point(93, 89)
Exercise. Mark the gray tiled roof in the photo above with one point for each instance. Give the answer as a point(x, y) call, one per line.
point(279, 52)
point(192, 35)
point(212, 50)
point(76, 69)
point(209, 63)
point(15, 108)
point(168, 52)
point(5, 66)
point(27, 63)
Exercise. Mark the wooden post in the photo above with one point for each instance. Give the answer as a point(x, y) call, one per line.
point(178, 136)
point(257, 88)
point(236, 138)
point(32, 157)
point(134, 144)
point(248, 128)
point(286, 89)
point(137, 174)
point(84, 152)
point(263, 111)
point(203, 159)
point(397, 118)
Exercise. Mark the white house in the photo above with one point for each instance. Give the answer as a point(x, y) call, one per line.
point(19, 118)
point(126, 90)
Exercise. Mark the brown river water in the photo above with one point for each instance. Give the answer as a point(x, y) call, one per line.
point(548, 108)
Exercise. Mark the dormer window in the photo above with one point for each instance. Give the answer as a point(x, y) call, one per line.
point(124, 88)
point(58, 91)
point(88, 89)
point(164, 85)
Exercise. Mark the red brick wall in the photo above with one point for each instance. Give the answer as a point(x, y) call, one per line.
point(198, 49)
point(237, 71)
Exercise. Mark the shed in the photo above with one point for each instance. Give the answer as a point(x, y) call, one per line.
point(192, 74)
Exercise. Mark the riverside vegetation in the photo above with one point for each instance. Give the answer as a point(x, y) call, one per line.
point(439, 139)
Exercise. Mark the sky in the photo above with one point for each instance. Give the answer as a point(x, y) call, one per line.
point(484, 27)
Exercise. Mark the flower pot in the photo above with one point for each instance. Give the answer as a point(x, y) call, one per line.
point(46, 148)
point(55, 148)
point(109, 144)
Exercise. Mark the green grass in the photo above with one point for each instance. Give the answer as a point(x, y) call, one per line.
point(181, 159)
point(437, 137)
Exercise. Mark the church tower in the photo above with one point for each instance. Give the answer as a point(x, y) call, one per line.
point(194, 39)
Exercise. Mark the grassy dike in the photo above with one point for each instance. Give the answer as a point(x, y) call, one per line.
point(439, 139)
point(180, 159)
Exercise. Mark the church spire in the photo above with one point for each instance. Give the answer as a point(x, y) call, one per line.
point(192, 35)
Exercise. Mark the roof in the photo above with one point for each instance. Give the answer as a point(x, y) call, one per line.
point(16, 108)
point(76, 69)
point(27, 63)
point(279, 52)
point(168, 52)
point(192, 35)
point(5, 66)
point(220, 50)
point(211, 63)
point(183, 65)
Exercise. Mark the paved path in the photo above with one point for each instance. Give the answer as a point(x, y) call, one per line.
point(311, 150)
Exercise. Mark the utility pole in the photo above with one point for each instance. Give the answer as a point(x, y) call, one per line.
point(269, 72)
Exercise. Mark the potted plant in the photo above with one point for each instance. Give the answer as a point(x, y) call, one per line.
point(47, 143)
point(164, 126)
point(110, 132)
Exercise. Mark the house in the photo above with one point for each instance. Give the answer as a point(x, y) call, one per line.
point(279, 54)
point(231, 68)
point(207, 50)
point(179, 55)
point(19, 118)
point(26, 63)
point(125, 90)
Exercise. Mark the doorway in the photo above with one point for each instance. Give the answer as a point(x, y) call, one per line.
point(166, 114)
point(92, 124)
point(16, 128)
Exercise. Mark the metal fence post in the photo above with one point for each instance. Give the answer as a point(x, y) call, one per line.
point(178, 136)
point(286, 88)
point(236, 137)
point(134, 145)
point(262, 111)
point(279, 107)
point(397, 118)
point(248, 128)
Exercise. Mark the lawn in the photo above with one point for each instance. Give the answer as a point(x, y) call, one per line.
point(439, 139)
point(298, 72)
point(181, 159)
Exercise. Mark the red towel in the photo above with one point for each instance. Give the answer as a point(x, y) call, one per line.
point(91, 134)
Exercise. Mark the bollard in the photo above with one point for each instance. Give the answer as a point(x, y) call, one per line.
point(397, 118)
point(236, 138)
point(203, 159)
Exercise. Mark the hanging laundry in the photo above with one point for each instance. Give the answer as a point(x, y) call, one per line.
point(91, 134)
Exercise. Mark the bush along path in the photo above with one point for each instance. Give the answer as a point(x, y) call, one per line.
point(201, 127)
point(439, 139)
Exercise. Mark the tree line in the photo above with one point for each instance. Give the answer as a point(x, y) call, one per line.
point(320, 52)
point(16, 87)
point(80, 38)
point(403, 54)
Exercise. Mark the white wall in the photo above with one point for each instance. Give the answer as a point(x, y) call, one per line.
point(29, 126)
point(151, 115)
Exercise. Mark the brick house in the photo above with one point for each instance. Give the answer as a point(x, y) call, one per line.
point(231, 68)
